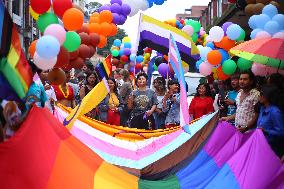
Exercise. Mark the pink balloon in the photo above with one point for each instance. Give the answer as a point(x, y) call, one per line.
point(188, 29)
point(56, 31)
point(271, 70)
point(202, 33)
point(259, 69)
point(44, 64)
point(205, 68)
point(279, 35)
point(262, 35)
point(145, 69)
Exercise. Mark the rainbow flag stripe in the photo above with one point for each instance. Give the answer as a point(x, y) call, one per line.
point(13, 63)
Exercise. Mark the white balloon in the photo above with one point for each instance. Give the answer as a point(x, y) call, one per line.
point(44, 64)
point(144, 5)
point(216, 33)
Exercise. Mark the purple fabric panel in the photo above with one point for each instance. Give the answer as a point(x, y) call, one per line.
point(254, 164)
point(278, 182)
point(164, 41)
point(223, 132)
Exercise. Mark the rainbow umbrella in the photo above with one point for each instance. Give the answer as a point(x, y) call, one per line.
point(269, 51)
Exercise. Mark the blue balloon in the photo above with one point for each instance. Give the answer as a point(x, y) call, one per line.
point(151, 3)
point(47, 47)
point(270, 10)
point(117, 43)
point(198, 64)
point(204, 52)
point(121, 52)
point(272, 27)
point(225, 55)
point(261, 20)
point(159, 2)
point(234, 31)
point(139, 59)
point(177, 22)
point(254, 32)
point(210, 44)
point(127, 45)
point(252, 22)
point(132, 57)
point(279, 18)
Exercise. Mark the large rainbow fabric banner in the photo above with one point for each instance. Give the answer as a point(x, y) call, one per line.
point(46, 155)
point(155, 34)
point(14, 67)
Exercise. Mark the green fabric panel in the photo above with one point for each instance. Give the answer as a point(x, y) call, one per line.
point(168, 183)
point(12, 77)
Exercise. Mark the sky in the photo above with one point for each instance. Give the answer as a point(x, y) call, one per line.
point(160, 12)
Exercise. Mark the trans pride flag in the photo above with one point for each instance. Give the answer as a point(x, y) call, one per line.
point(175, 61)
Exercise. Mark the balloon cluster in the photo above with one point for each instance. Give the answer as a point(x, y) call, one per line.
point(214, 55)
point(118, 9)
point(191, 27)
point(268, 24)
point(255, 7)
point(124, 56)
point(68, 44)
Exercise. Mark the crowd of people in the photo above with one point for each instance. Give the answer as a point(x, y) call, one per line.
point(244, 100)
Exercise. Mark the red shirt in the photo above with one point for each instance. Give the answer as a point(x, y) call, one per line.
point(200, 106)
point(59, 94)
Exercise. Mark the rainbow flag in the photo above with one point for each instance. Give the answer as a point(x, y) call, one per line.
point(155, 34)
point(45, 155)
point(13, 63)
point(175, 61)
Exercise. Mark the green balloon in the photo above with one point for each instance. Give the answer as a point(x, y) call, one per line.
point(229, 67)
point(195, 25)
point(242, 36)
point(72, 42)
point(194, 37)
point(155, 67)
point(45, 20)
point(244, 64)
point(115, 53)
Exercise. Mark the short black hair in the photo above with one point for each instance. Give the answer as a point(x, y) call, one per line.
point(141, 74)
point(251, 77)
point(207, 88)
point(173, 82)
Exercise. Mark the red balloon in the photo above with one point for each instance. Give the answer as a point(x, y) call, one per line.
point(84, 51)
point(40, 7)
point(221, 74)
point(84, 28)
point(92, 51)
point(94, 39)
point(138, 66)
point(62, 58)
point(115, 61)
point(148, 50)
point(77, 63)
point(85, 38)
point(124, 58)
point(60, 6)
point(74, 54)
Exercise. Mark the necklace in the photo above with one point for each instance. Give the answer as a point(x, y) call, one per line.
point(67, 91)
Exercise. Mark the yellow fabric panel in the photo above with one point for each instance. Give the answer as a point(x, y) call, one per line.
point(119, 178)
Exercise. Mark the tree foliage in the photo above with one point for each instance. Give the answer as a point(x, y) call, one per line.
point(94, 7)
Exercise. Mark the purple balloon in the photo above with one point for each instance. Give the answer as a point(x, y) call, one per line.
point(131, 69)
point(104, 7)
point(115, 8)
point(116, 1)
point(164, 69)
point(127, 52)
point(115, 18)
point(225, 26)
point(122, 20)
point(125, 9)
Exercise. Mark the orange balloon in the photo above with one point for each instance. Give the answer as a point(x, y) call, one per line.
point(32, 48)
point(103, 41)
point(95, 28)
point(226, 43)
point(73, 19)
point(106, 29)
point(214, 57)
point(221, 75)
point(106, 16)
point(84, 28)
point(95, 14)
point(114, 30)
point(94, 20)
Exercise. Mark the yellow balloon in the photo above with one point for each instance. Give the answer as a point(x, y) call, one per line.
point(33, 13)
point(126, 40)
point(147, 55)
